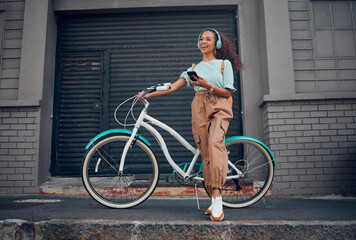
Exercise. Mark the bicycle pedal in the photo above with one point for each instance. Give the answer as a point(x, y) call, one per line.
point(169, 179)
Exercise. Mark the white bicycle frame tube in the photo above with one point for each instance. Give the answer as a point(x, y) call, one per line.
point(140, 123)
point(163, 145)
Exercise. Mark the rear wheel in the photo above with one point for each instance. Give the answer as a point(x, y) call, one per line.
point(256, 165)
point(101, 178)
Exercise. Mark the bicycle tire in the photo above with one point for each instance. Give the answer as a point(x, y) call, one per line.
point(103, 182)
point(253, 160)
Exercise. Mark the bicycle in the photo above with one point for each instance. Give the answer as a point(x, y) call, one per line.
point(120, 170)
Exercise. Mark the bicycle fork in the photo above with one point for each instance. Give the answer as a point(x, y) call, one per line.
point(131, 139)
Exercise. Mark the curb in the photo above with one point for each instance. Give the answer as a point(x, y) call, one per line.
point(117, 229)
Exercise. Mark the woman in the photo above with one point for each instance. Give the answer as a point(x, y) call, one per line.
point(211, 110)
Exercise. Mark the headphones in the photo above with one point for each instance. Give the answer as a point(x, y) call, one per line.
point(218, 42)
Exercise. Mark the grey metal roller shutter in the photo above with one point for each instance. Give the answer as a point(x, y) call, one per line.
point(141, 49)
point(78, 116)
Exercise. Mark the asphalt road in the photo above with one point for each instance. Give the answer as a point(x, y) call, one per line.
point(42, 207)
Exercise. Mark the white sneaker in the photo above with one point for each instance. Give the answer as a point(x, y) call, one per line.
point(217, 212)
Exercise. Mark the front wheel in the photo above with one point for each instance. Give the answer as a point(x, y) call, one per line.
point(101, 178)
point(257, 169)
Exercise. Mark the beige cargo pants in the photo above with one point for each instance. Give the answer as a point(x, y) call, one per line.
point(211, 115)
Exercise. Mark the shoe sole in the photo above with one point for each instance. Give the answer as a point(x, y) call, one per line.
point(218, 219)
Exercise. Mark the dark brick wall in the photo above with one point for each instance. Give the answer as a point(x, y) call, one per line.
point(314, 143)
point(18, 150)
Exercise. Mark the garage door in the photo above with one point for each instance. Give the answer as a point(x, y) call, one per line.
point(105, 59)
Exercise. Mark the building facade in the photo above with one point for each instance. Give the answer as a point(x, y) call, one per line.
point(65, 65)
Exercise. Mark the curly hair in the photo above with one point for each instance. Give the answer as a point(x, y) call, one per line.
point(227, 52)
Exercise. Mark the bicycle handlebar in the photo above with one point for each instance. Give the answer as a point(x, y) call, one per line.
point(157, 87)
point(165, 87)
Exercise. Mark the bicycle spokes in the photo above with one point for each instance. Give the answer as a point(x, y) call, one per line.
point(254, 173)
point(103, 181)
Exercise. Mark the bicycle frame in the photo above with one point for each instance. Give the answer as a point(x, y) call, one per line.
point(140, 123)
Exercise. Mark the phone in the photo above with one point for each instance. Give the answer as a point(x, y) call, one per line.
point(191, 75)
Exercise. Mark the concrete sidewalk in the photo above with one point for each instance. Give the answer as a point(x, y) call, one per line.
point(63, 217)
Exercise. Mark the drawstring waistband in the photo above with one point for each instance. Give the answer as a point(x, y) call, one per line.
point(210, 96)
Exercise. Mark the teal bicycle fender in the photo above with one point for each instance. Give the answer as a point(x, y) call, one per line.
point(253, 140)
point(111, 131)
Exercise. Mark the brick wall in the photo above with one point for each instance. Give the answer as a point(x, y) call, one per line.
point(18, 150)
point(314, 143)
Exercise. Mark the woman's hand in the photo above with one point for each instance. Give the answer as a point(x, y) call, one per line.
point(200, 82)
point(139, 96)
point(174, 87)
